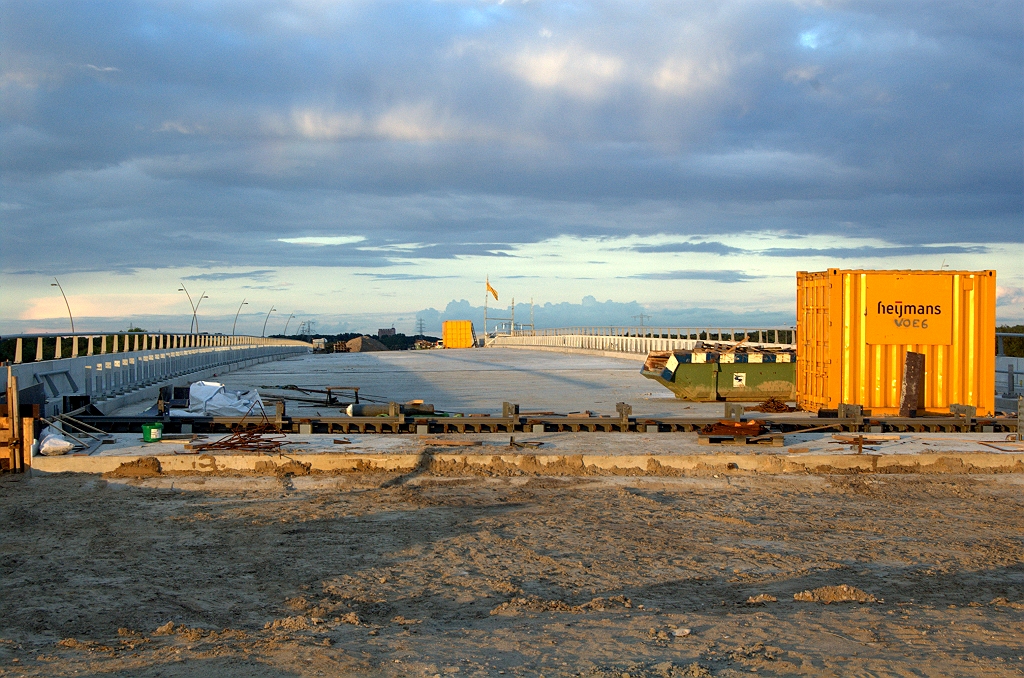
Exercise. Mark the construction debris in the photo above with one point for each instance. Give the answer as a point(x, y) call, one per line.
point(772, 404)
point(413, 407)
point(437, 442)
point(331, 393)
point(727, 432)
point(734, 428)
point(512, 442)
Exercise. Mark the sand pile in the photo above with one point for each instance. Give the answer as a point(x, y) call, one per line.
point(144, 467)
point(365, 344)
point(844, 593)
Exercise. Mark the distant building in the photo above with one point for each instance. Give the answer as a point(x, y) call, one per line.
point(389, 332)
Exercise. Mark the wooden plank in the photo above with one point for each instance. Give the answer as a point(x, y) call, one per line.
point(13, 405)
point(28, 436)
point(7, 453)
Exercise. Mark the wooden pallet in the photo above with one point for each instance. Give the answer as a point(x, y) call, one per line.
point(772, 440)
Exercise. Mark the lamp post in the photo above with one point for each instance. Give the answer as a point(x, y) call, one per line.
point(195, 313)
point(272, 309)
point(236, 315)
point(56, 283)
point(285, 333)
point(182, 289)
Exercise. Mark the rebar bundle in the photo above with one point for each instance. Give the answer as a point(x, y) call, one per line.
point(259, 439)
point(773, 404)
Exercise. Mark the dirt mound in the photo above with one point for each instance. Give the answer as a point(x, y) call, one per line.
point(844, 593)
point(761, 599)
point(406, 622)
point(289, 468)
point(297, 623)
point(533, 604)
point(143, 467)
point(84, 645)
point(364, 344)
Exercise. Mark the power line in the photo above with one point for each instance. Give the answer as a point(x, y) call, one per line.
point(641, 318)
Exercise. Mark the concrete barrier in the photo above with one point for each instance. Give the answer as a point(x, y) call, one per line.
point(607, 344)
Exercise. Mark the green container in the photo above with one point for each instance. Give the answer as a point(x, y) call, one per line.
point(697, 382)
point(152, 433)
point(747, 382)
point(754, 382)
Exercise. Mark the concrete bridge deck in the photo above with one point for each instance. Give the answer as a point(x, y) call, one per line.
point(479, 381)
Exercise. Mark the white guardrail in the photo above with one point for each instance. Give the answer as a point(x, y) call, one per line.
point(640, 340)
point(111, 368)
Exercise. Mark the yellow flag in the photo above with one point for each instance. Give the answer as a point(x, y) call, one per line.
point(492, 290)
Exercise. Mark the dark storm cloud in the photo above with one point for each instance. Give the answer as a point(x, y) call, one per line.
point(869, 252)
point(403, 276)
point(259, 276)
point(203, 133)
point(709, 247)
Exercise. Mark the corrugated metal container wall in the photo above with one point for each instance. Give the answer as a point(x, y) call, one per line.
point(458, 334)
point(854, 329)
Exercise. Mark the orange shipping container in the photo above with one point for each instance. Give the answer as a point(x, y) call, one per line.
point(854, 329)
point(458, 334)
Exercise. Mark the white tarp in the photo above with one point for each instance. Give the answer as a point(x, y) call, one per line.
point(211, 399)
point(53, 444)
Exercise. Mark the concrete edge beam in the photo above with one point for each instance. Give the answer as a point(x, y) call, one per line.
point(652, 465)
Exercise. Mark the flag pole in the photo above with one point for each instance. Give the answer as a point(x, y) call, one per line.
point(486, 292)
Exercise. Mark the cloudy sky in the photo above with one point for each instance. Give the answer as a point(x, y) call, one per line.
point(357, 161)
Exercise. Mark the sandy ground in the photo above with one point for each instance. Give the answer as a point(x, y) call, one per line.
point(423, 576)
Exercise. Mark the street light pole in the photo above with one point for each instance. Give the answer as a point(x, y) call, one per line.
point(272, 309)
point(56, 284)
point(195, 313)
point(286, 324)
point(236, 316)
point(182, 289)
